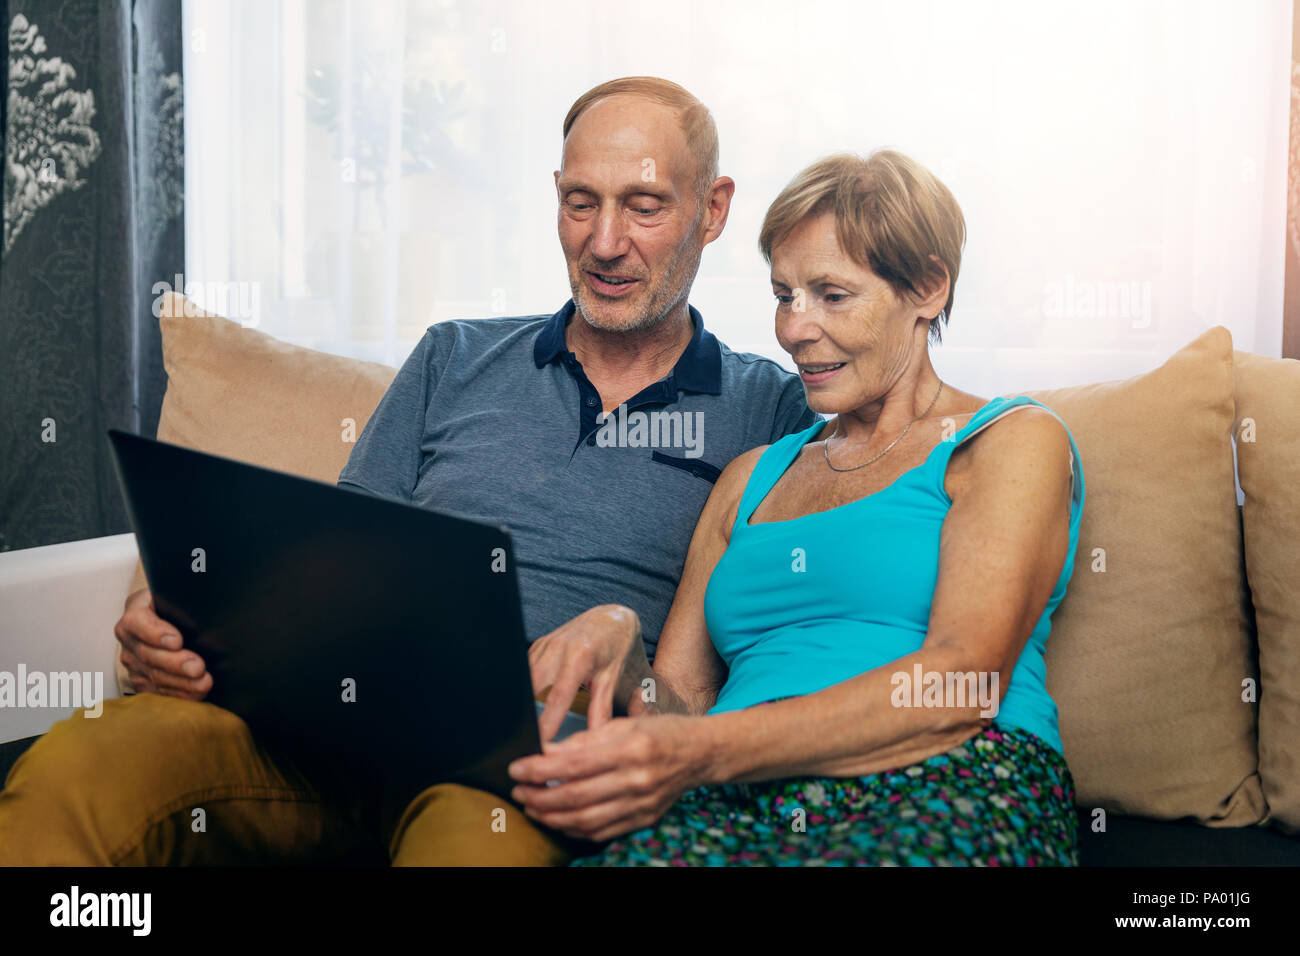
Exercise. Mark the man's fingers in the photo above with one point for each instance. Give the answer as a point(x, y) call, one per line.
point(542, 667)
point(196, 691)
point(182, 664)
point(143, 624)
point(145, 678)
point(142, 684)
point(142, 597)
point(162, 679)
point(600, 710)
point(199, 688)
point(558, 702)
point(137, 671)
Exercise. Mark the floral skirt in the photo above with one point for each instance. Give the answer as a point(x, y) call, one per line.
point(1002, 798)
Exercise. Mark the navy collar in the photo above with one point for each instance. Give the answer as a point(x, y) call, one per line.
point(699, 369)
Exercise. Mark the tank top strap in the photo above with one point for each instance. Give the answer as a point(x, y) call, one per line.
point(993, 411)
point(769, 468)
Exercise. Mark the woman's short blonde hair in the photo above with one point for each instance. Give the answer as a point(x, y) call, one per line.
point(891, 215)
point(697, 122)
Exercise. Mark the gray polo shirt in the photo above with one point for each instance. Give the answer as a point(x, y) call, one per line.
point(494, 419)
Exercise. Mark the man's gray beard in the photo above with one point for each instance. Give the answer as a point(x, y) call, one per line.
point(672, 293)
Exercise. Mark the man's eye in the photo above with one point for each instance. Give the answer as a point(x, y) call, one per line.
point(835, 297)
point(785, 299)
point(645, 211)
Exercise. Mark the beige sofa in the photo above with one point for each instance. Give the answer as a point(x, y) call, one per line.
point(1175, 657)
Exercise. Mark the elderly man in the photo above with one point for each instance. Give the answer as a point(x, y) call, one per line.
point(595, 433)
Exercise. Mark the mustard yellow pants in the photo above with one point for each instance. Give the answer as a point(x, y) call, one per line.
point(156, 780)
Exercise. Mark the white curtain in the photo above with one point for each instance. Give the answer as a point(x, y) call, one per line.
point(370, 168)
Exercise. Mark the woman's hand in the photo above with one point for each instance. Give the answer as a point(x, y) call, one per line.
point(613, 779)
point(601, 649)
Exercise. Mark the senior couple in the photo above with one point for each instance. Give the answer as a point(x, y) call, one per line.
point(743, 619)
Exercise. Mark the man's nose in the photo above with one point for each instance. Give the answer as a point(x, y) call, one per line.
point(609, 236)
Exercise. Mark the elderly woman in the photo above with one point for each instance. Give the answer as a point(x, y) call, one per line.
point(852, 669)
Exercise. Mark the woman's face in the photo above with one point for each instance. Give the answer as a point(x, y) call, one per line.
point(848, 332)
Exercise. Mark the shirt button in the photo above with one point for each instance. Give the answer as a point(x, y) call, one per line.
point(591, 401)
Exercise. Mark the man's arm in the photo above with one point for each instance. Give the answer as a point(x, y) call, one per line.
point(387, 456)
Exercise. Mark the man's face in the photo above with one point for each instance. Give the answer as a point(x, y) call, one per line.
point(630, 223)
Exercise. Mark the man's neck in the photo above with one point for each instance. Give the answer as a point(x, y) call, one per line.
point(620, 364)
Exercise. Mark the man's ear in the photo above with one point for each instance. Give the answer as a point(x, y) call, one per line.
point(718, 207)
point(557, 184)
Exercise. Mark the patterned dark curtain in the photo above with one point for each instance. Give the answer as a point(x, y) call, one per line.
point(93, 217)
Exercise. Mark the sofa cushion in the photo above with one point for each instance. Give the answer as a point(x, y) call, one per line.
point(1268, 461)
point(240, 393)
point(1151, 644)
point(1134, 842)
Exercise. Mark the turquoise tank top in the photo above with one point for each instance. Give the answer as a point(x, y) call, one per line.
point(862, 598)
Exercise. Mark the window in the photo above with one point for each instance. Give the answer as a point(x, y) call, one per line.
point(372, 168)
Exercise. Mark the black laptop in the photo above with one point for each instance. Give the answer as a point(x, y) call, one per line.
point(356, 634)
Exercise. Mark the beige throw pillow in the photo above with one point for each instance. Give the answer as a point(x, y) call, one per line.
point(1268, 462)
point(1149, 649)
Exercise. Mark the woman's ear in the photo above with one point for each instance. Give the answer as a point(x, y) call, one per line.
point(932, 292)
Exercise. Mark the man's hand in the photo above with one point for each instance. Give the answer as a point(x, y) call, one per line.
point(601, 649)
point(614, 780)
point(152, 654)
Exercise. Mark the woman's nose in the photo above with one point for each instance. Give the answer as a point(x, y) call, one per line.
point(799, 321)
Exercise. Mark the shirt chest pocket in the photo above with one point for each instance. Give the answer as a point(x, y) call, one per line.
point(694, 466)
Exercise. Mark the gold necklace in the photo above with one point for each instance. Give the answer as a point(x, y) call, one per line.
point(826, 444)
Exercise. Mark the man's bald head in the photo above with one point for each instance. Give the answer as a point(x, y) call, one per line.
point(696, 121)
